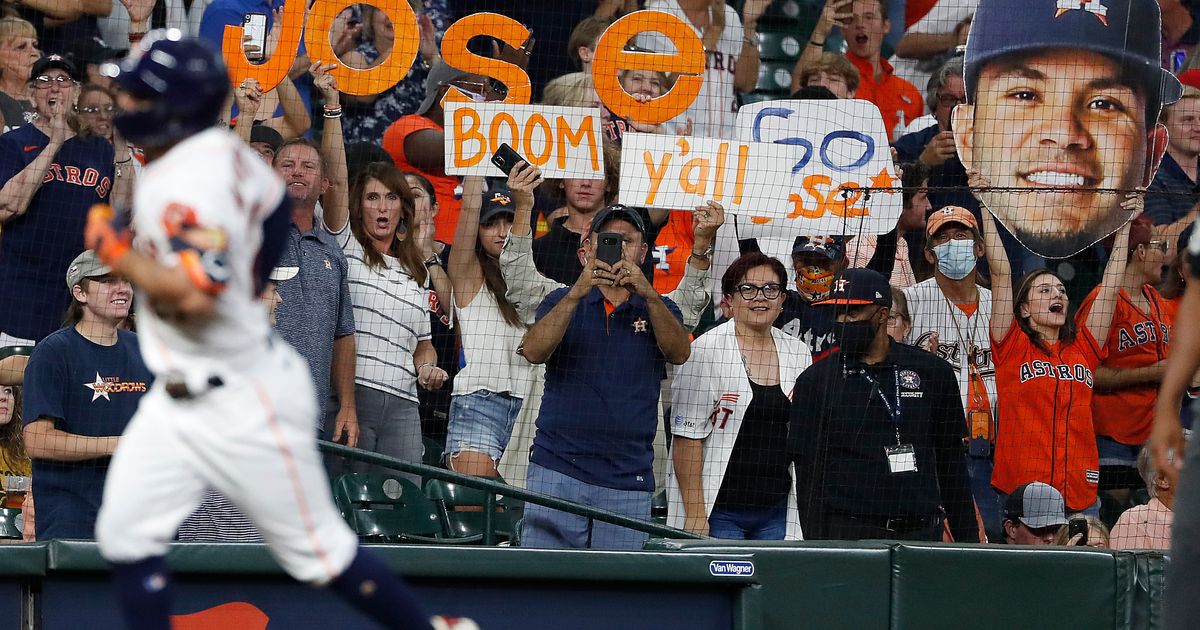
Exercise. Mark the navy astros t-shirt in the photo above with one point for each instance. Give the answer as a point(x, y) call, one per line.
point(87, 389)
point(38, 246)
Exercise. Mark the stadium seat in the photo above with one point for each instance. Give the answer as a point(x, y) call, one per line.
point(658, 507)
point(433, 452)
point(12, 351)
point(467, 525)
point(10, 529)
point(387, 508)
point(780, 46)
point(774, 77)
point(758, 97)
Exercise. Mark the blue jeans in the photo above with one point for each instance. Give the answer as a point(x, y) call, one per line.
point(1114, 453)
point(749, 523)
point(482, 422)
point(547, 528)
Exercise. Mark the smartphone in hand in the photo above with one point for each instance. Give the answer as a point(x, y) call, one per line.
point(505, 158)
point(1075, 527)
point(608, 247)
point(254, 27)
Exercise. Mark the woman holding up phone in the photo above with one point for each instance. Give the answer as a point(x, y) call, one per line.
point(489, 390)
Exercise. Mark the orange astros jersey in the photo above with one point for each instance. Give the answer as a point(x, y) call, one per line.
point(1136, 339)
point(1045, 432)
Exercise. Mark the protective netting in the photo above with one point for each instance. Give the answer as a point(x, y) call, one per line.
point(772, 269)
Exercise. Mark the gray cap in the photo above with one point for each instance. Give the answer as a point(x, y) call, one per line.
point(85, 265)
point(440, 73)
point(1037, 505)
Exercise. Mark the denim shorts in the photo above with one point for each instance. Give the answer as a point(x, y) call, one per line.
point(482, 422)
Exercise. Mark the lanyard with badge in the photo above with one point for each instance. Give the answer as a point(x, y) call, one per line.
point(902, 457)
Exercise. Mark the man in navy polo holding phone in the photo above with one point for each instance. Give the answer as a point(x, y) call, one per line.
point(604, 341)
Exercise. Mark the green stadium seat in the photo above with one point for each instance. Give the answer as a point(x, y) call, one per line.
point(774, 77)
point(12, 351)
point(433, 452)
point(780, 46)
point(10, 528)
point(468, 526)
point(758, 97)
point(387, 508)
point(658, 507)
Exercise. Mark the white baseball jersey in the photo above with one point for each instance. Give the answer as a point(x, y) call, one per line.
point(715, 108)
point(225, 187)
point(957, 333)
point(247, 435)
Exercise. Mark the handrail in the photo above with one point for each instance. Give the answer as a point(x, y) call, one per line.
point(495, 487)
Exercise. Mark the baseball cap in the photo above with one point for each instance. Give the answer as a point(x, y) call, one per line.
point(852, 287)
point(618, 211)
point(440, 73)
point(828, 246)
point(950, 214)
point(1123, 30)
point(266, 135)
point(53, 61)
point(1037, 505)
point(496, 203)
point(85, 265)
point(279, 274)
point(1190, 78)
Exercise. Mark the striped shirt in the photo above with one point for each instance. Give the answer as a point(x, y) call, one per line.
point(391, 314)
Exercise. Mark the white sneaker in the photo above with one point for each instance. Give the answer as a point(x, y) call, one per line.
point(440, 622)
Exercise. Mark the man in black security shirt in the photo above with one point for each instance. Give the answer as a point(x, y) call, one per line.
point(877, 434)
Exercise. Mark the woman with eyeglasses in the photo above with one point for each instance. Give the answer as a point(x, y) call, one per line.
point(94, 114)
point(18, 51)
point(1134, 362)
point(731, 476)
point(1046, 363)
point(51, 177)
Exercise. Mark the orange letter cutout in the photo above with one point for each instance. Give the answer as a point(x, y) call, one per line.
point(507, 30)
point(272, 72)
point(406, 39)
point(611, 57)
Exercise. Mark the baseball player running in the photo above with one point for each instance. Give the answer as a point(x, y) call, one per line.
point(233, 406)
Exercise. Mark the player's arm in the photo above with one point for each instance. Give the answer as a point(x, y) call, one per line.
point(44, 441)
point(188, 289)
point(18, 191)
point(1182, 363)
point(1099, 319)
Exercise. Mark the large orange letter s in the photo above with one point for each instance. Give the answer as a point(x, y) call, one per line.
point(507, 30)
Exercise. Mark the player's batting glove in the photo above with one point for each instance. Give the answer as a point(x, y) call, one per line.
point(107, 233)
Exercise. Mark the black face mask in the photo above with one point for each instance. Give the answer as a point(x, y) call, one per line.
point(855, 337)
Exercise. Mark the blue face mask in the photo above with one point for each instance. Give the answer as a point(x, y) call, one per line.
point(956, 258)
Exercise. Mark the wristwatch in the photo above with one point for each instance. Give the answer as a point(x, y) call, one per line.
point(705, 255)
point(433, 261)
point(752, 39)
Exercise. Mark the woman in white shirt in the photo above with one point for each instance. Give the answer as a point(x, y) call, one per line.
point(489, 389)
point(388, 279)
point(731, 476)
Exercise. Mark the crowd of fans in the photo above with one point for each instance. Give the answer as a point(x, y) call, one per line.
point(872, 386)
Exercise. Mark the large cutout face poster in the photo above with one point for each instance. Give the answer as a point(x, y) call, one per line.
point(1063, 98)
